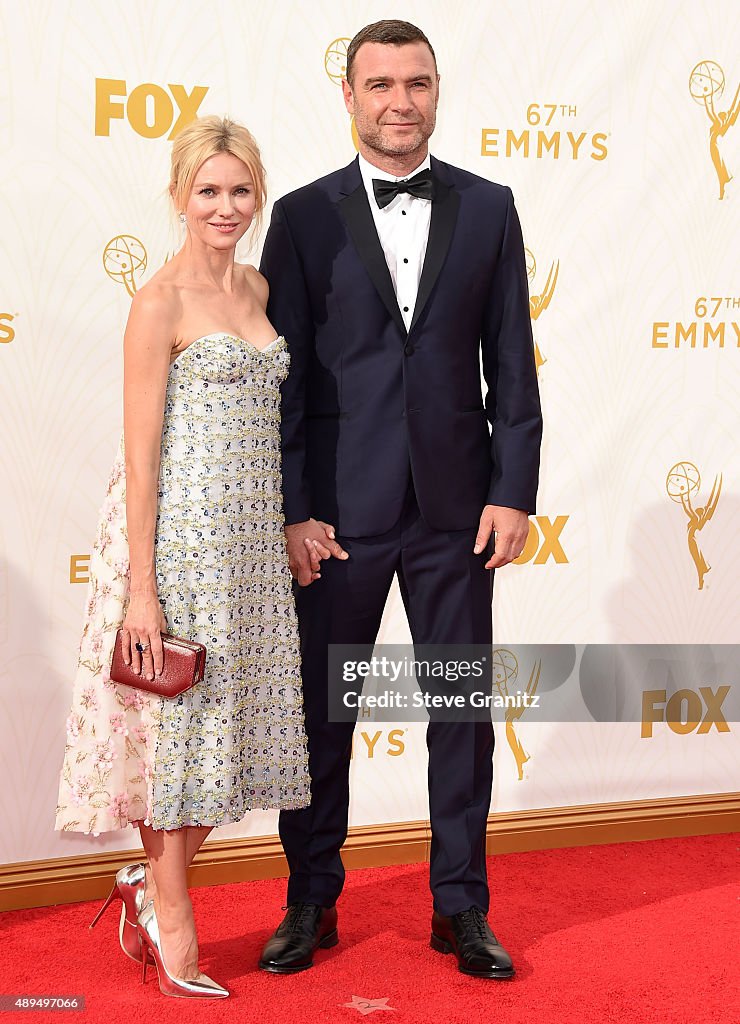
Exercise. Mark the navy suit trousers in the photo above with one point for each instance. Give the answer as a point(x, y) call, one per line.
point(447, 595)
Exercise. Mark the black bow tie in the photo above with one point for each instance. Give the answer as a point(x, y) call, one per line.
point(421, 186)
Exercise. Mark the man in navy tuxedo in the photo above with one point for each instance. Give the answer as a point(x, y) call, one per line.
point(390, 279)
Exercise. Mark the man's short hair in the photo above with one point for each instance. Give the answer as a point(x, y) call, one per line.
point(390, 33)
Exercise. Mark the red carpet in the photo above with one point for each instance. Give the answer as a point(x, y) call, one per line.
point(636, 932)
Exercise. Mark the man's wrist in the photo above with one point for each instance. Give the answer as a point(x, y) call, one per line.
point(298, 522)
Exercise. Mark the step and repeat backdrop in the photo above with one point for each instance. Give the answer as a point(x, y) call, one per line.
point(616, 126)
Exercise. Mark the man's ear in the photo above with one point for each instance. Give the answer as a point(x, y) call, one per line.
point(349, 100)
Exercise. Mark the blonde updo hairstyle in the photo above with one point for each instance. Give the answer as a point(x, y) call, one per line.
point(205, 137)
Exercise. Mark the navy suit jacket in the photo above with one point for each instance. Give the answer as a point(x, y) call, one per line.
point(367, 403)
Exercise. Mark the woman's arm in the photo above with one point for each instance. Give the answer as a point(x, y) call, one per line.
point(147, 348)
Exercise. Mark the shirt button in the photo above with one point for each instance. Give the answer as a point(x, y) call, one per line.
point(405, 260)
point(405, 309)
point(403, 213)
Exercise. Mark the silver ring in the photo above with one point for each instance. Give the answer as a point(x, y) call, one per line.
point(141, 647)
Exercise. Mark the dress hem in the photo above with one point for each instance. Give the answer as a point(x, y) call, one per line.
point(292, 805)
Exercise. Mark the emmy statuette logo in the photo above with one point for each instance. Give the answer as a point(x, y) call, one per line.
point(335, 59)
point(149, 108)
point(682, 482)
point(124, 259)
point(706, 85)
point(539, 303)
point(505, 672)
point(335, 65)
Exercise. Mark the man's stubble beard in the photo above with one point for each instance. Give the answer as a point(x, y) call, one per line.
point(372, 136)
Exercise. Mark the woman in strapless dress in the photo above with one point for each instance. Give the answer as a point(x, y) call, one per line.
point(190, 541)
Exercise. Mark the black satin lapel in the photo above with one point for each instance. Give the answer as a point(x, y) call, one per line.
point(442, 225)
point(358, 217)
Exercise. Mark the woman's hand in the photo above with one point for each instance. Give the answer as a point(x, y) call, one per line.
point(143, 625)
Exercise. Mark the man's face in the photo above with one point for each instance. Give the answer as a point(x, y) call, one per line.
point(393, 97)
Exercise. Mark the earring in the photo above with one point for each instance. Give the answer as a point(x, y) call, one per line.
point(182, 217)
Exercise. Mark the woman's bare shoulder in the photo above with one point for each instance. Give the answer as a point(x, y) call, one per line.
point(153, 319)
point(159, 299)
point(256, 282)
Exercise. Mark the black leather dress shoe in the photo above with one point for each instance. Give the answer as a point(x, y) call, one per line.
point(304, 929)
point(467, 934)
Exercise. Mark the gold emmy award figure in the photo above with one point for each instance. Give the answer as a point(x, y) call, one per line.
point(335, 65)
point(123, 257)
point(707, 82)
point(682, 481)
point(506, 670)
point(335, 59)
point(539, 303)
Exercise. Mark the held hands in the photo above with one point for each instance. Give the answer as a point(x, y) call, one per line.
point(308, 543)
point(144, 624)
point(510, 527)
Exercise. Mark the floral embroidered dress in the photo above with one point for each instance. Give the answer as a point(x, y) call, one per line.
point(236, 740)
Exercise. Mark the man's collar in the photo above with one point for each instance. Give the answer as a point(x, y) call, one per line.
point(370, 171)
point(349, 178)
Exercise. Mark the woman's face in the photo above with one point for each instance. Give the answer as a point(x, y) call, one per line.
point(221, 204)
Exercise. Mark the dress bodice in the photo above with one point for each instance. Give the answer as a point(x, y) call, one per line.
point(221, 358)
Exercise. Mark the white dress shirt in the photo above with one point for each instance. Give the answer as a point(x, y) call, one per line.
point(403, 230)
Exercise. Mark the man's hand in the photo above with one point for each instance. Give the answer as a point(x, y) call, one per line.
point(511, 527)
point(308, 543)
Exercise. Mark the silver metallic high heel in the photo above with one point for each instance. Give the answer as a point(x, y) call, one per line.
point(201, 987)
point(129, 887)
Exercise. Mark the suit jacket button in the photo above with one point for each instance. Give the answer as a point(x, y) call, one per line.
point(408, 349)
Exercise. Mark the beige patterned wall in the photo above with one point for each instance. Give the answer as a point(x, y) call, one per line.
point(614, 125)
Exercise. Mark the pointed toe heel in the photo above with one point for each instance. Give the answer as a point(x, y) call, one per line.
point(201, 987)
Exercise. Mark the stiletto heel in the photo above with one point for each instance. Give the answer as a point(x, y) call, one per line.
point(129, 888)
point(113, 893)
point(201, 987)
